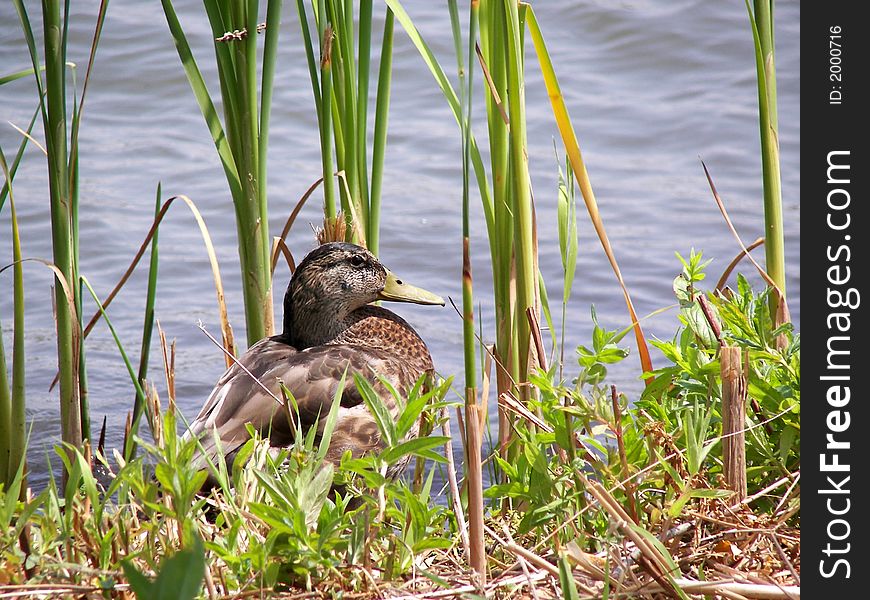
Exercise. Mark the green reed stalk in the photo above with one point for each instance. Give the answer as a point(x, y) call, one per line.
point(62, 218)
point(525, 252)
point(84, 404)
point(493, 42)
point(147, 331)
point(12, 400)
point(242, 140)
point(473, 420)
point(761, 20)
point(5, 418)
point(382, 109)
point(325, 123)
point(507, 205)
point(63, 224)
point(341, 87)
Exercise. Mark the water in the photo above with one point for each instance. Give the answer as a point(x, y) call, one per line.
point(652, 85)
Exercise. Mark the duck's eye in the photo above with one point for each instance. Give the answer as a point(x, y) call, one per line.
point(357, 261)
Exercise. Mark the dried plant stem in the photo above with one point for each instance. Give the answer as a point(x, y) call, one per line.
point(623, 459)
point(474, 480)
point(454, 485)
point(733, 420)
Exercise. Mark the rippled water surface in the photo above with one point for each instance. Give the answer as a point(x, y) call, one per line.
point(652, 85)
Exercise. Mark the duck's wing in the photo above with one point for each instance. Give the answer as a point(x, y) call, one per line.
point(312, 376)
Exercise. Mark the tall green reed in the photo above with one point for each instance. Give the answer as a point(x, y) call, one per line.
point(340, 83)
point(506, 197)
point(61, 129)
point(12, 398)
point(242, 140)
point(761, 21)
point(473, 414)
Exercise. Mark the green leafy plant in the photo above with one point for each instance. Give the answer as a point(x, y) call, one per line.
point(180, 576)
point(740, 318)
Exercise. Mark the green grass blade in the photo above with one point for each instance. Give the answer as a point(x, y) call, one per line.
point(17, 75)
point(34, 56)
point(566, 580)
point(378, 409)
point(13, 168)
point(270, 59)
point(139, 391)
point(147, 331)
point(382, 110)
point(12, 402)
point(331, 419)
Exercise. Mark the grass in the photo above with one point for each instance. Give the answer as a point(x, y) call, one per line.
point(594, 494)
point(622, 498)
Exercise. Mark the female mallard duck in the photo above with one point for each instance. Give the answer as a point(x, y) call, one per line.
point(329, 327)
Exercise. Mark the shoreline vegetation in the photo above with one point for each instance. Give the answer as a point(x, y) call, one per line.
point(690, 489)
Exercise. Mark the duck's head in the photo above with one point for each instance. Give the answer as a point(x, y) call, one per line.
point(334, 280)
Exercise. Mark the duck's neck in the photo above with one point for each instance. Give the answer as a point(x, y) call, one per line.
point(309, 320)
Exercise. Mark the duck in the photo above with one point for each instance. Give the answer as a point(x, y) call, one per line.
point(331, 330)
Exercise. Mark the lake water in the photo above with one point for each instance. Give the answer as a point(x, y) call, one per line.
point(651, 85)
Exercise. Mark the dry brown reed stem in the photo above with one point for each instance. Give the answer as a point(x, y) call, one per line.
point(474, 480)
point(782, 313)
point(454, 485)
point(461, 590)
point(732, 589)
point(524, 565)
point(710, 317)
point(280, 246)
point(490, 84)
point(651, 558)
point(538, 561)
point(720, 285)
point(538, 340)
point(288, 224)
point(209, 585)
point(784, 558)
point(623, 459)
point(509, 403)
point(733, 420)
point(33, 590)
point(768, 489)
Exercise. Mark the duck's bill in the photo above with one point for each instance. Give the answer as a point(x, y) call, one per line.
point(397, 290)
